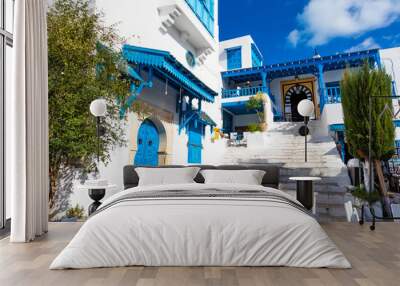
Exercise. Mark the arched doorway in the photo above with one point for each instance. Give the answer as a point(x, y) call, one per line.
point(148, 142)
point(292, 98)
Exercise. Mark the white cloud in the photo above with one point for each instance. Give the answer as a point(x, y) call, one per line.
point(367, 44)
point(294, 37)
point(324, 20)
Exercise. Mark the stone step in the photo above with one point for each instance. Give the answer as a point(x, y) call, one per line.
point(281, 145)
point(325, 218)
point(330, 199)
point(334, 211)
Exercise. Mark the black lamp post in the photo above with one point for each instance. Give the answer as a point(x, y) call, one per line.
point(305, 109)
point(98, 108)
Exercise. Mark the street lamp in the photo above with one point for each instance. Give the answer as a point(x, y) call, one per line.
point(305, 109)
point(98, 108)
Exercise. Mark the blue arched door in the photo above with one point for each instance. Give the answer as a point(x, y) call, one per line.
point(148, 141)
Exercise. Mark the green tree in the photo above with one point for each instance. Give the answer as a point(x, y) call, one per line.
point(356, 88)
point(83, 66)
point(256, 103)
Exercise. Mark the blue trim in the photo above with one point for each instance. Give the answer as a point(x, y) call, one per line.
point(333, 92)
point(394, 88)
point(227, 121)
point(234, 58)
point(396, 122)
point(343, 146)
point(397, 146)
point(245, 91)
point(237, 107)
point(256, 56)
point(164, 62)
point(306, 66)
point(191, 115)
point(204, 10)
point(337, 127)
point(134, 89)
point(378, 60)
point(321, 86)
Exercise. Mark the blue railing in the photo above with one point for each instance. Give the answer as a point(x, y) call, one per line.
point(333, 95)
point(204, 10)
point(246, 91)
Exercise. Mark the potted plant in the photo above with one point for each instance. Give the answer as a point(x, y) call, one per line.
point(364, 198)
point(75, 214)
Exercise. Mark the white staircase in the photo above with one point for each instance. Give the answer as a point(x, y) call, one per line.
point(282, 145)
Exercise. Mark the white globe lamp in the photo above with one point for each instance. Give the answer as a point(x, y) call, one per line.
point(98, 107)
point(306, 108)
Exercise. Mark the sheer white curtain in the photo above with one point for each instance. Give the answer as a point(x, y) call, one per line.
point(27, 124)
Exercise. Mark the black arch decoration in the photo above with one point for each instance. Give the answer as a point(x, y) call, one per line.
point(295, 89)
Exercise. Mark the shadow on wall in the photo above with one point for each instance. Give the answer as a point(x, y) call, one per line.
point(65, 189)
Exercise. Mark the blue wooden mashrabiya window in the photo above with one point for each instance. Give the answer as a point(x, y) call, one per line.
point(204, 10)
point(256, 56)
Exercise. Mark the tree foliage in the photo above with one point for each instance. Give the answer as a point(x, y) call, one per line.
point(83, 66)
point(357, 87)
point(256, 103)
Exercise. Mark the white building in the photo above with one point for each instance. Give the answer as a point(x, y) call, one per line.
point(179, 68)
point(172, 47)
point(286, 84)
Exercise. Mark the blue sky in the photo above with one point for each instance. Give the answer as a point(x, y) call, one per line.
point(285, 30)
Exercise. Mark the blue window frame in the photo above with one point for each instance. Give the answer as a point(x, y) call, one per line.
point(204, 10)
point(333, 92)
point(256, 57)
point(394, 89)
point(234, 58)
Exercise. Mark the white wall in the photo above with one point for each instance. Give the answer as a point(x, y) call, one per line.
point(139, 22)
point(245, 42)
point(391, 61)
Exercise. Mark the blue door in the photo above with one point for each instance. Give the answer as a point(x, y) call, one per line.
point(148, 141)
point(194, 144)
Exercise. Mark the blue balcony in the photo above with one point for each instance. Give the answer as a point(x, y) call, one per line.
point(246, 91)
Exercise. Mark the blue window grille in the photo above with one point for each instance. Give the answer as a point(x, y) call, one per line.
point(333, 92)
point(256, 56)
point(204, 10)
point(234, 58)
